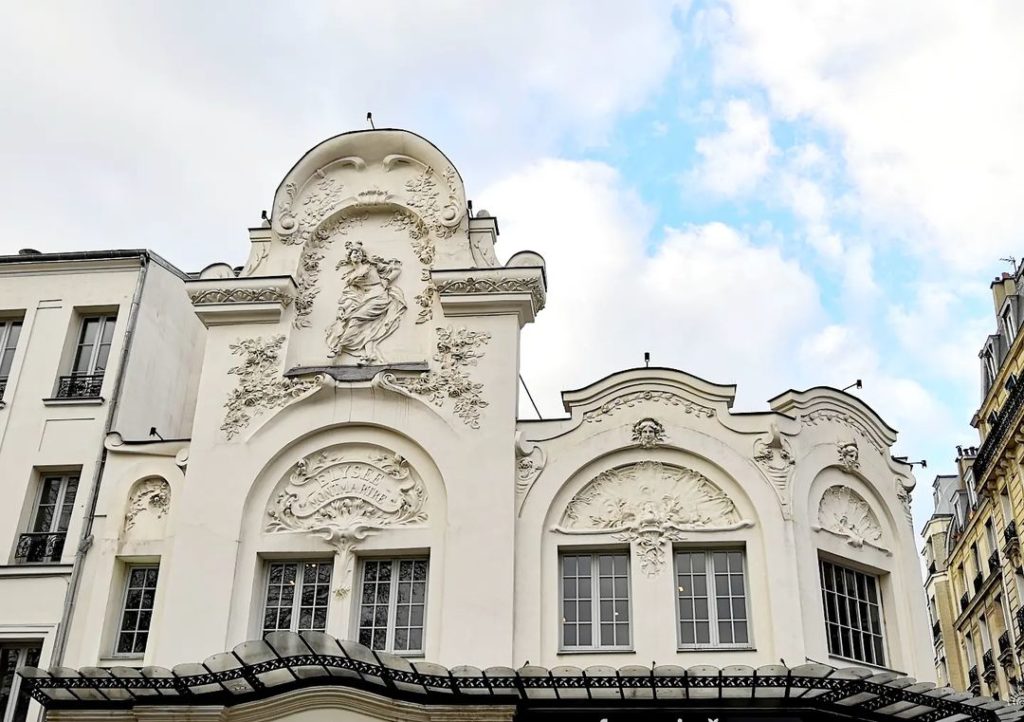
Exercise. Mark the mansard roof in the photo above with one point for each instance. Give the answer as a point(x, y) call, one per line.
point(285, 661)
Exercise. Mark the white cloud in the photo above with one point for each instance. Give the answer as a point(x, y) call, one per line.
point(170, 125)
point(923, 96)
point(708, 300)
point(733, 161)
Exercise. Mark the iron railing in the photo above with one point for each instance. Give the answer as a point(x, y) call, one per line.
point(998, 432)
point(40, 547)
point(79, 387)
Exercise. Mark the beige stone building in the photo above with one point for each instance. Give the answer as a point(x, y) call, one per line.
point(973, 546)
point(354, 507)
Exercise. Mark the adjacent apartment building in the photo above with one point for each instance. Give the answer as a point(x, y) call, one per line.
point(348, 518)
point(972, 550)
point(89, 342)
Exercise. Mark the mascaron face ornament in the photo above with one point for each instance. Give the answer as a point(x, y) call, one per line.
point(648, 433)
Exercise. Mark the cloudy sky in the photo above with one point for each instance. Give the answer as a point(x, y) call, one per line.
point(776, 194)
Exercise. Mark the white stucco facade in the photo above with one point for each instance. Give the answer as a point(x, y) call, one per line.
point(351, 397)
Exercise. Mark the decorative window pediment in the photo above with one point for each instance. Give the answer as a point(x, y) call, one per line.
point(650, 504)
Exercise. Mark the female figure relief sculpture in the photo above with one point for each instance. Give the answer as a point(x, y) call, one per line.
point(370, 305)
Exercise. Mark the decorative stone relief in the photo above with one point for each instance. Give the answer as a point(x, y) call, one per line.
point(240, 295)
point(530, 462)
point(628, 401)
point(457, 349)
point(261, 386)
point(309, 264)
point(842, 511)
point(849, 455)
point(370, 306)
point(903, 494)
point(774, 457)
point(650, 504)
point(345, 497)
point(151, 497)
point(425, 299)
point(494, 285)
point(648, 433)
point(823, 416)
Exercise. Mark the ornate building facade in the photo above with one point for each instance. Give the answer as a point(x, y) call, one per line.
point(358, 514)
point(972, 544)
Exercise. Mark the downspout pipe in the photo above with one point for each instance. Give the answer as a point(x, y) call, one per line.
point(85, 541)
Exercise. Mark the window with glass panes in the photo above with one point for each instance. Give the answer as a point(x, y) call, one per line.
point(94, 343)
point(137, 610)
point(9, 334)
point(393, 605)
point(298, 594)
point(13, 705)
point(711, 593)
point(853, 613)
point(55, 504)
point(595, 600)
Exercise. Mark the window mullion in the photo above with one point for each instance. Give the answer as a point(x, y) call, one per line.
point(389, 635)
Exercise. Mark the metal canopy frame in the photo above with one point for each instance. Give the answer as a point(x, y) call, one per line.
point(283, 661)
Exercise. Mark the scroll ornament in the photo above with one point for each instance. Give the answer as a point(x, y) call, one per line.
point(346, 498)
point(650, 504)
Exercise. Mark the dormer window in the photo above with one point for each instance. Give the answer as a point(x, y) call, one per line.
point(1008, 322)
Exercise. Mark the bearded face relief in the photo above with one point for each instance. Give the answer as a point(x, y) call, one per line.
point(369, 308)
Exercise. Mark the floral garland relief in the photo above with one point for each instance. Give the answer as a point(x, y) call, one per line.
point(457, 349)
point(261, 387)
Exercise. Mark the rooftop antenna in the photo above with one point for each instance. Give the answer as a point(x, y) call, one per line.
point(369, 119)
point(647, 359)
point(858, 384)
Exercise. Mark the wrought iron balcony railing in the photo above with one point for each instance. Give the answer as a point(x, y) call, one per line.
point(80, 387)
point(1005, 649)
point(40, 547)
point(993, 562)
point(998, 432)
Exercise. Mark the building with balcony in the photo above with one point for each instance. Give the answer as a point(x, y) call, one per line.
point(359, 523)
point(972, 538)
point(88, 342)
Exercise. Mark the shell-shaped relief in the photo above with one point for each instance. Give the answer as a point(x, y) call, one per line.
point(650, 504)
point(844, 512)
point(148, 504)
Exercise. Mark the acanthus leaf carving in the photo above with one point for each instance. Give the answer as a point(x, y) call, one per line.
point(261, 385)
point(844, 512)
point(650, 504)
point(345, 497)
point(473, 286)
point(627, 401)
point(370, 306)
point(152, 496)
point(457, 349)
point(240, 295)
